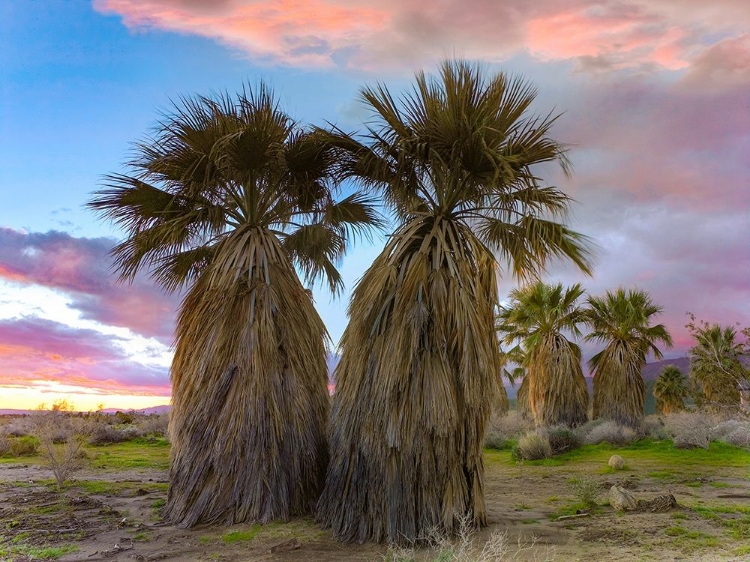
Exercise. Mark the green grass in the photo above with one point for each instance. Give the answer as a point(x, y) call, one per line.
point(40, 552)
point(138, 453)
point(236, 536)
point(161, 502)
point(101, 487)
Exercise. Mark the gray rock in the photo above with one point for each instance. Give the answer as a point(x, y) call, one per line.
point(616, 462)
point(621, 499)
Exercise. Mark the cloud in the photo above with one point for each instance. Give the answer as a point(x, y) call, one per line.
point(81, 268)
point(36, 351)
point(399, 34)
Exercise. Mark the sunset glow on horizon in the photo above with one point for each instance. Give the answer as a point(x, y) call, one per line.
point(654, 102)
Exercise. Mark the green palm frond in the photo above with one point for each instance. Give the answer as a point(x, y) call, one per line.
point(715, 365)
point(670, 390)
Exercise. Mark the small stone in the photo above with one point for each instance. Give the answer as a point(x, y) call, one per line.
point(616, 462)
point(621, 499)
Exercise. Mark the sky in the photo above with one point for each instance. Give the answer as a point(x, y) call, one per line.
point(655, 104)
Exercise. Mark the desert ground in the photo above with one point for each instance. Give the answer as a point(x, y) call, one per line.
point(110, 510)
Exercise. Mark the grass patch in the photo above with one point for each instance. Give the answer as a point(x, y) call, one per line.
point(161, 502)
point(237, 536)
point(138, 453)
point(102, 487)
point(719, 484)
point(43, 552)
point(529, 521)
point(679, 516)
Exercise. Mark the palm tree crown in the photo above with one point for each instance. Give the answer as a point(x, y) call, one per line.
point(226, 197)
point(622, 321)
point(538, 316)
point(419, 371)
point(716, 366)
point(670, 390)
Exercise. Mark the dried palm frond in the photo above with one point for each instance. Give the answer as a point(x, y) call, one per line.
point(225, 199)
point(420, 361)
point(622, 320)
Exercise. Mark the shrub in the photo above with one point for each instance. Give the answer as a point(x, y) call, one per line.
point(586, 490)
point(562, 439)
point(104, 434)
point(60, 441)
point(4, 445)
point(125, 418)
point(720, 431)
point(690, 429)
point(24, 446)
point(740, 437)
point(19, 427)
point(653, 427)
point(532, 446)
point(610, 432)
point(155, 425)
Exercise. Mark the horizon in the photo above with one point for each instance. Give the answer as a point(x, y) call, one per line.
point(653, 103)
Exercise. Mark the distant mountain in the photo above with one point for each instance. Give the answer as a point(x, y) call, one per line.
point(651, 371)
point(153, 410)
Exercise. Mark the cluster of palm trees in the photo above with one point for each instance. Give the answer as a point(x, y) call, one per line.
point(541, 319)
point(232, 201)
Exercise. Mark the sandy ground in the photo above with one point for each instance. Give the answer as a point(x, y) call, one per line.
point(122, 521)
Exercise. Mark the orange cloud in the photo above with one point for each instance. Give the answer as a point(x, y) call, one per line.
point(402, 34)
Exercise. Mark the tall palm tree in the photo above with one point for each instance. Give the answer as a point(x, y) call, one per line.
point(715, 365)
point(224, 200)
point(670, 390)
point(419, 358)
point(515, 355)
point(538, 317)
point(622, 321)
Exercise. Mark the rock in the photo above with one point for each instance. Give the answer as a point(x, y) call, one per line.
point(621, 499)
point(286, 546)
point(616, 462)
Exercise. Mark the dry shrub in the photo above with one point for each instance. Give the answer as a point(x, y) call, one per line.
point(4, 445)
point(690, 429)
point(19, 427)
point(740, 437)
point(506, 427)
point(721, 430)
point(610, 432)
point(465, 548)
point(653, 427)
point(103, 435)
point(153, 425)
point(586, 490)
point(533, 446)
point(61, 438)
point(562, 439)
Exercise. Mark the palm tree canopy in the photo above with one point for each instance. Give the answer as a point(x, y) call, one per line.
point(462, 146)
point(624, 317)
point(538, 310)
point(217, 169)
point(671, 384)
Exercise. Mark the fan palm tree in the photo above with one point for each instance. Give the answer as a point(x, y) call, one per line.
point(715, 365)
point(622, 321)
point(223, 201)
point(538, 317)
point(419, 358)
point(515, 355)
point(670, 390)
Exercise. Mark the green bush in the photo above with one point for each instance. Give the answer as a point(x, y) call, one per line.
point(24, 446)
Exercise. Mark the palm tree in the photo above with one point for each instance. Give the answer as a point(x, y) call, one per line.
point(715, 365)
point(224, 200)
point(515, 355)
point(622, 321)
point(670, 390)
point(537, 317)
point(419, 358)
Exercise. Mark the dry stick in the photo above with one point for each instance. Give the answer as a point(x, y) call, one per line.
point(576, 516)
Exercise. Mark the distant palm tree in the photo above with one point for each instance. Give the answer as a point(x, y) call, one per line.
point(622, 321)
point(420, 360)
point(225, 199)
point(670, 390)
point(515, 355)
point(538, 317)
point(715, 365)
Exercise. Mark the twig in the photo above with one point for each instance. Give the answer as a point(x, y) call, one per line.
point(576, 516)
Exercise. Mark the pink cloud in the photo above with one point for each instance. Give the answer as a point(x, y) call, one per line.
point(81, 268)
point(401, 34)
point(34, 350)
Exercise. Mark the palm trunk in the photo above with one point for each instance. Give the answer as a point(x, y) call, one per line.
point(619, 389)
point(415, 388)
point(558, 394)
point(250, 397)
